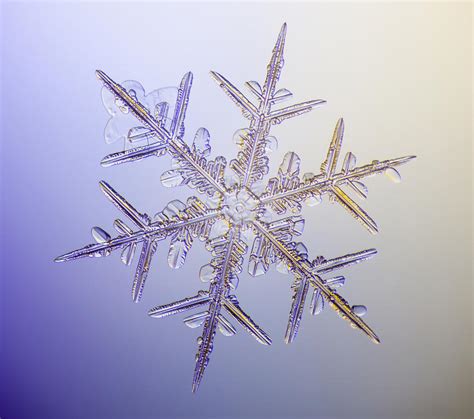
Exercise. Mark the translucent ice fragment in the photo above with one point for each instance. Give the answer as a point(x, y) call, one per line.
point(178, 251)
point(393, 175)
point(233, 281)
point(136, 134)
point(171, 178)
point(135, 90)
point(359, 310)
point(161, 112)
point(271, 144)
point(359, 188)
point(100, 235)
point(127, 253)
point(349, 162)
point(336, 282)
point(242, 136)
point(302, 250)
point(225, 327)
point(282, 267)
point(255, 88)
point(258, 186)
point(230, 178)
point(219, 228)
point(108, 99)
point(308, 177)
point(281, 95)
point(290, 165)
point(195, 320)
point(174, 208)
point(298, 225)
point(313, 199)
point(256, 267)
point(122, 228)
point(317, 302)
point(201, 142)
point(266, 215)
point(118, 128)
point(207, 273)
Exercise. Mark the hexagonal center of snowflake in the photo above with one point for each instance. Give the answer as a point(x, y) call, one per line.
point(239, 205)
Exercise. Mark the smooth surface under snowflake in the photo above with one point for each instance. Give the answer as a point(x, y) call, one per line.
point(236, 209)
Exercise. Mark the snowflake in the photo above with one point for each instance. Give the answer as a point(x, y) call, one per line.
point(236, 208)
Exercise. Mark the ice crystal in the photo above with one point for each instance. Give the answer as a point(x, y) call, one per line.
point(236, 210)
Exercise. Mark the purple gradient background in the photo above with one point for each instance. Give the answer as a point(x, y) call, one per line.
point(74, 345)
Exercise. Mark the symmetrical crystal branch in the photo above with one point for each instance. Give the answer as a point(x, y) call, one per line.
point(288, 192)
point(251, 163)
point(181, 222)
point(192, 166)
point(233, 210)
point(227, 251)
point(303, 269)
point(301, 286)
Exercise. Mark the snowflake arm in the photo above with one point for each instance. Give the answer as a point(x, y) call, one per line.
point(227, 251)
point(228, 259)
point(180, 222)
point(192, 165)
point(287, 191)
point(302, 267)
point(301, 285)
point(251, 163)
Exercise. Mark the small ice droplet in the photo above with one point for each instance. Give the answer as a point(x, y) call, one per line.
point(206, 273)
point(100, 235)
point(271, 144)
point(359, 310)
point(393, 175)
